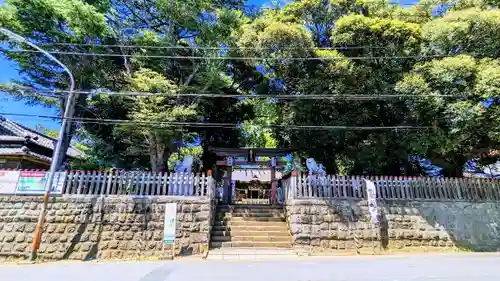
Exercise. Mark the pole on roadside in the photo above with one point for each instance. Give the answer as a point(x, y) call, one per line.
point(68, 112)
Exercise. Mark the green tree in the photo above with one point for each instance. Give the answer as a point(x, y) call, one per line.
point(154, 138)
point(440, 56)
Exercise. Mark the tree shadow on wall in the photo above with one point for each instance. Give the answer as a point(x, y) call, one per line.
point(352, 210)
point(470, 226)
point(83, 225)
point(345, 212)
point(92, 254)
point(81, 229)
point(383, 230)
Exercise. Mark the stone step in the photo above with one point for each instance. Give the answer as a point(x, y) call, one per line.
point(251, 228)
point(250, 233)
point(251, 253)
point(250, 208)
point(250, 219)
point(240, 222)
point(282, 238)
point(251, 244)
point(249, 215)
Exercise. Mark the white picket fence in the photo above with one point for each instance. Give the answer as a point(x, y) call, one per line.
point(392, 188)
point(138, 183)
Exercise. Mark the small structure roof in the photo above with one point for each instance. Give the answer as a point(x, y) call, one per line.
point(11, 131)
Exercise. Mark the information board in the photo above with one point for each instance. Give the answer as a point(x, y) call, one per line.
point(170, 223)
point(33, 183)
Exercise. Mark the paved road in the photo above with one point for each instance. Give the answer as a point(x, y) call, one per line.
point(462, 267)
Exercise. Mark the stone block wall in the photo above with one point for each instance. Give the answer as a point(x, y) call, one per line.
point(85, 228)
point(345, 225)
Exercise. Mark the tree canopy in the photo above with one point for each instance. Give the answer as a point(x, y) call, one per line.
point(400, 83)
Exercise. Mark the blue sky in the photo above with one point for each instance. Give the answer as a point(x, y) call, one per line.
point(9, 71)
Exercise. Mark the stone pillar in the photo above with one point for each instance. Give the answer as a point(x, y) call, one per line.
point(293, 192)
point(227, 187)
point(274, 184)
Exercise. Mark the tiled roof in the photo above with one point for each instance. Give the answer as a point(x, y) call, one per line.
point(19, 151)
point(13, 129)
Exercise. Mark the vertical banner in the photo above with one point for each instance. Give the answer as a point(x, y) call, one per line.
point(170, 223)
point(233, 190)
point(58, 183)
point(8, 181)
point(371, 196)
point(33, 182)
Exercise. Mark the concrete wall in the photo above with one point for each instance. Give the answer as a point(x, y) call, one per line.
point(320, 224)
point(87, 228)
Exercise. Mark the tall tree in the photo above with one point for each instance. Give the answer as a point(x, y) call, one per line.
point(439, 56)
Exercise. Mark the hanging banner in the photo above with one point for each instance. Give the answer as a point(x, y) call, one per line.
point(371, 196)
point(58, 184)
point(8, 181)
point(33, 183)
point(170, 223)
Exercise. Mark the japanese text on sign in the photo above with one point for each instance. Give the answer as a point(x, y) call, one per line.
point(170, 223)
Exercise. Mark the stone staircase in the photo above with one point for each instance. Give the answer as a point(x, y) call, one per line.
point(250, 226)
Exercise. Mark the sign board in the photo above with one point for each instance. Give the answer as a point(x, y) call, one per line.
point(170, 223)
point(33, 182)
point(58, 183)
point(371, 196)
point(8, 181)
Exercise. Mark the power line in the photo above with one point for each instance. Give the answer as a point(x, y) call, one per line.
point(216, 125)
point(232, 58)
point(242, 96)
point(210, 48)
point(393, 3)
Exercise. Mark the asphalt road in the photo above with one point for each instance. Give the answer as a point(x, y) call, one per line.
point(456, 267)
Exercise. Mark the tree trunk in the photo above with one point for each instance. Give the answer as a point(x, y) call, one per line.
point(157, 153)
point(157, 163)
point(80, 102)
point(453, 168)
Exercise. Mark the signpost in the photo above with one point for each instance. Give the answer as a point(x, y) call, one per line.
point(8, 181)
point(33, 182)
point(170, 225)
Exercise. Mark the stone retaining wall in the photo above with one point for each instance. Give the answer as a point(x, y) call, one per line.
point(102, 227)
point(345, 225)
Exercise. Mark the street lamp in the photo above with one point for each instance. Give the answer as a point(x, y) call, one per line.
point(68, 112)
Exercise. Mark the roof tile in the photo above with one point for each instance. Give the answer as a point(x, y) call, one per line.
point(11, 128)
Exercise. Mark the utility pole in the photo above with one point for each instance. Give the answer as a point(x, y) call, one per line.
point(68, 113)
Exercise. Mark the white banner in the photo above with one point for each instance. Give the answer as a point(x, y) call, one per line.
point(371, 196)
point(8, 181)
point(170, 223)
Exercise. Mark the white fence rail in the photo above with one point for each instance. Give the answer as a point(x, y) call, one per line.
point(392, 188)
point(136, 183)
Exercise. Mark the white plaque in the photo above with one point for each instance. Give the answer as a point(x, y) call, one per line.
point(170, 223)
